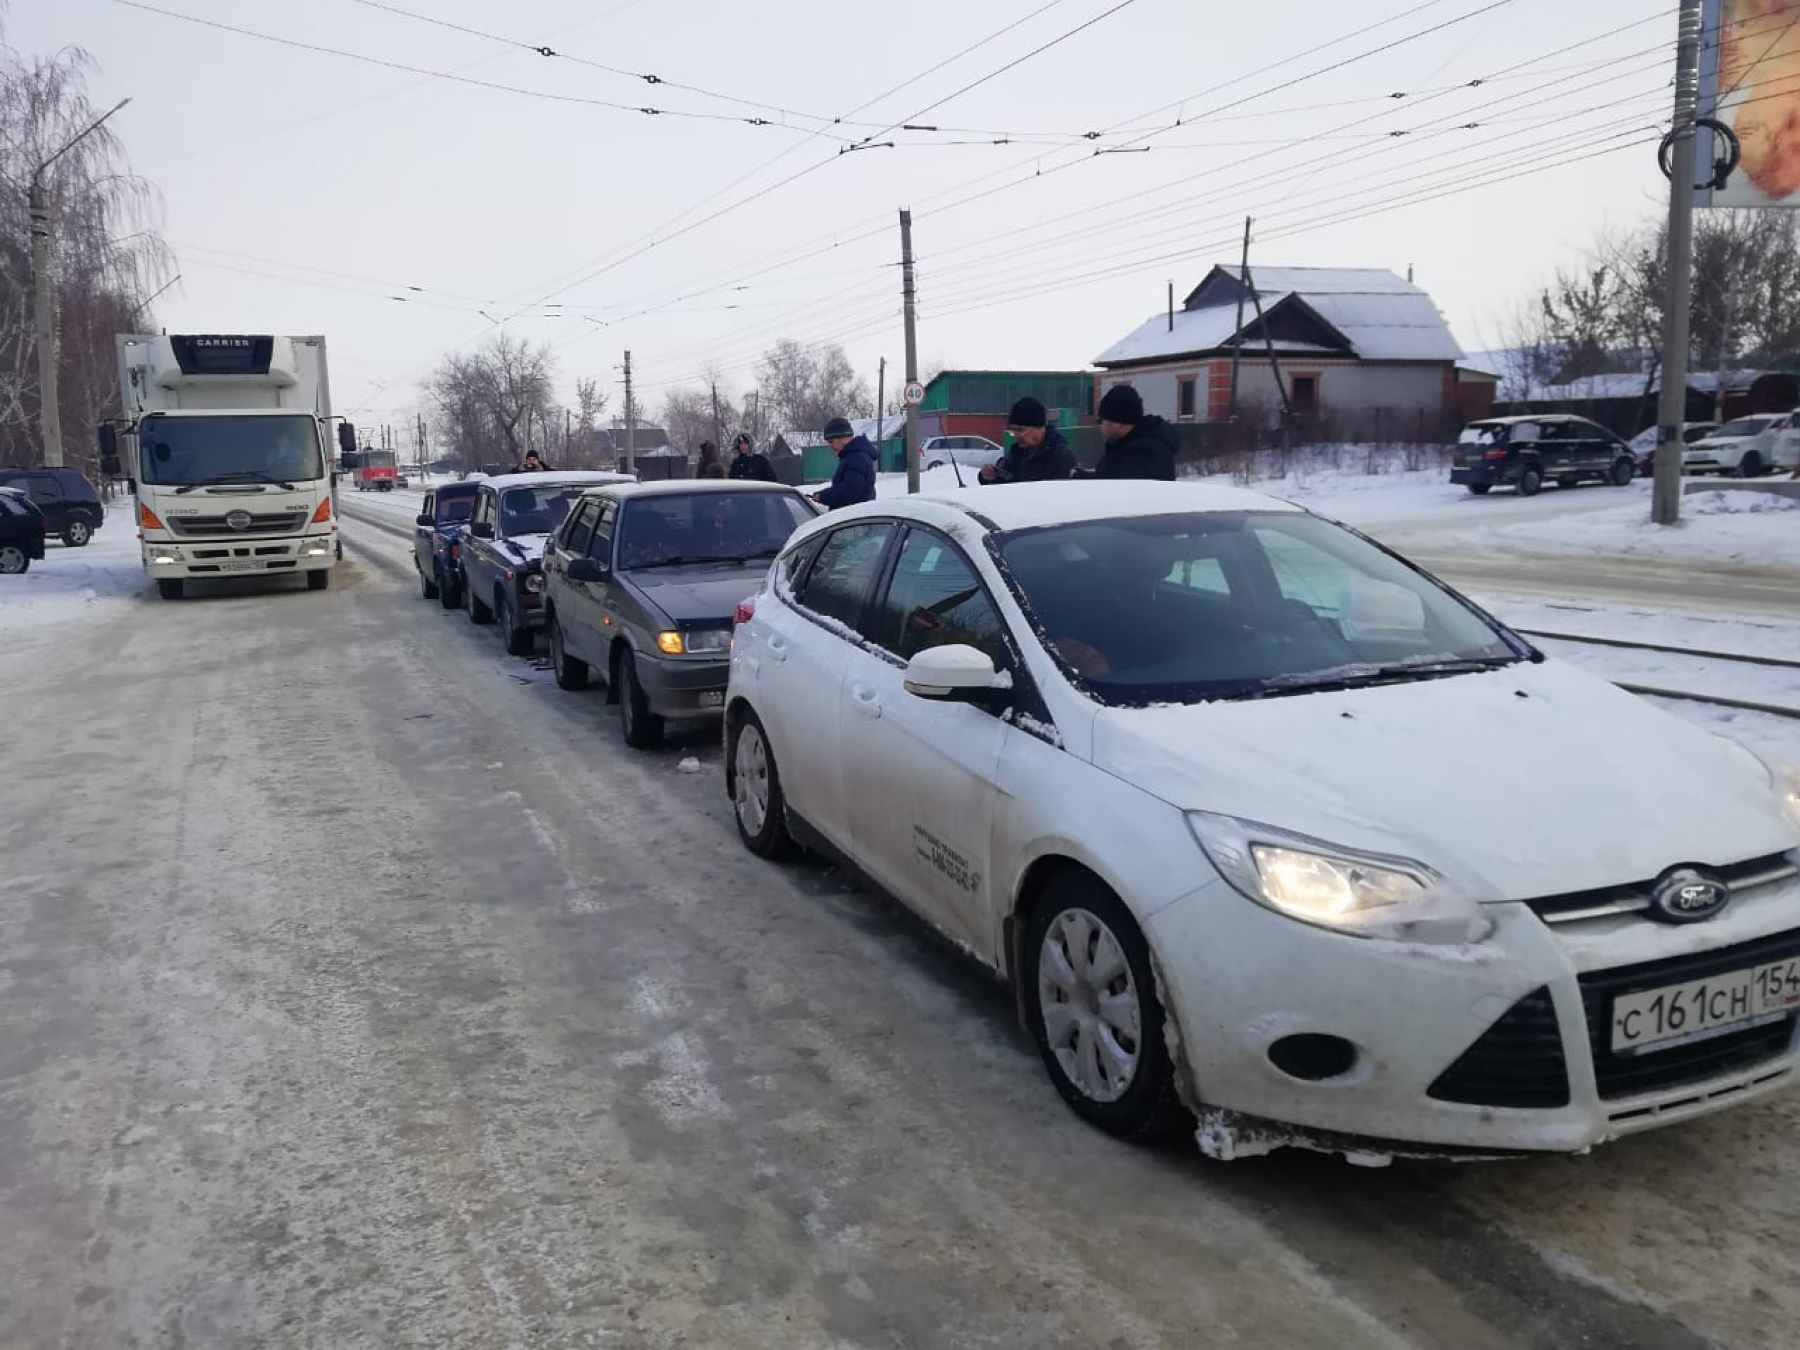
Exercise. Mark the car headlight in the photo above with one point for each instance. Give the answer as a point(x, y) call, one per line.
point(708, 640)
point(1362, 894)
point(534, 582)
point(1787, 792)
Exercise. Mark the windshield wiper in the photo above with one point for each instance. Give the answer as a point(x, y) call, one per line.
point(1364, 676)
point(222, 479)
point(685, 559)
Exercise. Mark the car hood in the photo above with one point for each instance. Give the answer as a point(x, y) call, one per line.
point(1532, 780)
point(701, 593)
point(525, 548)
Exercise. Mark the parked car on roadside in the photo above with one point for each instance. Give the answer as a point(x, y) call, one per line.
point(1526, 452)
point(641, 585)
point(22, 530)
point(1643, 445)
point(502, 555)
point(1229, 795)
point(969, 452)
point(1744, 446)
point(438, 532)
point(71, 504)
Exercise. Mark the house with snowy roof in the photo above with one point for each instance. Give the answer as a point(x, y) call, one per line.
point(1361, 351)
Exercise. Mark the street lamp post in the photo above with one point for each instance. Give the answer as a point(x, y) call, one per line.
point(43, 252)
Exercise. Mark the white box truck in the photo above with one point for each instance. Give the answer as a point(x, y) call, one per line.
point(224, 440)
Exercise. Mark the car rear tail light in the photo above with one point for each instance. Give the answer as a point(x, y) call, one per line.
point(147, 518)
point(745, 611)
point(1495, 454)
point(323, 514)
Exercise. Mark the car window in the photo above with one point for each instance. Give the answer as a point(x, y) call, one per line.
point(704, 525)
point(934, 600)
point(10, 506)
point(537, 509)
point(454, 510)
point(600, 547)
point(792, 565)
point(838, 582)
point(44, 487)
point(579, 528)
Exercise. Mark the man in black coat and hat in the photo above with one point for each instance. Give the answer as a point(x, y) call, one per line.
point(1138, 445)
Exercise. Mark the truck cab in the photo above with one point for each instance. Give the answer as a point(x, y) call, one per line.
point(224, 444)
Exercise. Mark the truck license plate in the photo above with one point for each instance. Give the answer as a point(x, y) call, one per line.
point(1701, 1008)
point(240, 567)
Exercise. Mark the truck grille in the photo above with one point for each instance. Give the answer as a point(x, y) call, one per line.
point(1742, 879)
point(261, 522)
point(1516, 1062)
point(1628, 1075)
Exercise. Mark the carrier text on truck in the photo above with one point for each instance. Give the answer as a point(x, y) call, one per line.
point(224, 441)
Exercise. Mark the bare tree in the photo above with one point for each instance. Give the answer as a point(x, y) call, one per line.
point(804, 387)
point(687, 416)
point(109, 257)
point(495, 403)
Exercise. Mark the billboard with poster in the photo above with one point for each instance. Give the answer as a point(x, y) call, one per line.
point(1750, 81)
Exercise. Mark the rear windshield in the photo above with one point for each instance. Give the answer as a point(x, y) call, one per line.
point(1497, 433)
point(452, 509)
point(538, 510)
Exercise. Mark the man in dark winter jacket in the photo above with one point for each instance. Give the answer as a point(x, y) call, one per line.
point(1137, 445)
point(1038, 452)
point(748, 462)
point(854, 480)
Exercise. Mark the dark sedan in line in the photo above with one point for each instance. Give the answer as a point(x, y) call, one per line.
point(641, 583)
point(437, 541)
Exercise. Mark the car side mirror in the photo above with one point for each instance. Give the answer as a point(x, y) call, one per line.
point(424, 518)
point(482, 529)
point(588, 569)
point(956, 671)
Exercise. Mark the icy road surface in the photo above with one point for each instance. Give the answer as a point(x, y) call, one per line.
point(358, 988)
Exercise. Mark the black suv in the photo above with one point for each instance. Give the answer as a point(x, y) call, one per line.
point(21, 531)
point(69, 502)
point(1521, 452)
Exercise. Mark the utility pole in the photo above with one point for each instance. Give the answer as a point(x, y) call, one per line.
point(1665, 496)
point(718, 430)
point(630, 422)
point(880, 404)
point(43, 293)
point(912, 348)
point(568, 435)
point(1237, 337)
point(424, 453)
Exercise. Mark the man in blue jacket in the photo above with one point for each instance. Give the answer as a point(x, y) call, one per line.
point(854, 480)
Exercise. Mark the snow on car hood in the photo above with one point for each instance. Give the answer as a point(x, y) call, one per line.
point(526, 547)
point(1528, 781)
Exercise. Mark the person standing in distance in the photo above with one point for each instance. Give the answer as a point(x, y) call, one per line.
point(854, 479)
point(1038, 453)
point(748, 462)
point(1138, 445)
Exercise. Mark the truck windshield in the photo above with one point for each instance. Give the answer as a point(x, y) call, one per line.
point(229, 449)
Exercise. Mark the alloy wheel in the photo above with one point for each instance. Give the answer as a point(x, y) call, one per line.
point(750, 775)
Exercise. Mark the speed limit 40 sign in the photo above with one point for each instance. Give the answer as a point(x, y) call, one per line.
point(913, 393)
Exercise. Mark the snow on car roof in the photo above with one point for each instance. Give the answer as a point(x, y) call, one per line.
point(668, 486)
point(556, 478)
point(1019, 506)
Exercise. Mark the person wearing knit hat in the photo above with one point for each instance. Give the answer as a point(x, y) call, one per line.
point(854, 479)
point(1038, 452)
point(1138, 444)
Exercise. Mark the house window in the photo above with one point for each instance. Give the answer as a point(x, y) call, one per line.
point(1306, 395)
point(1184, 398)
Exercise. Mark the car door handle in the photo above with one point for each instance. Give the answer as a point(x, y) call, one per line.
point(866, 701)
point(778, 648)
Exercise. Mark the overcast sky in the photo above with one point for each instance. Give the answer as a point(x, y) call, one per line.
point(304, 190)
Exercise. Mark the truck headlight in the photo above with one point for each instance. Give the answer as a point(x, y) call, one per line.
point(1342, 889)
point(1787, 792)
point(318, 546)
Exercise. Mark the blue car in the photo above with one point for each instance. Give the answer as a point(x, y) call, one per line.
point(437, 542)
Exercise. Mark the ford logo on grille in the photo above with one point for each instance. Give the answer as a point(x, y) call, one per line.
point(238, 520)
point(1688, 896)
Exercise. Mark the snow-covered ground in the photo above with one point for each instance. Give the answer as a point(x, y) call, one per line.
point(1752, 529)
point(68, 583)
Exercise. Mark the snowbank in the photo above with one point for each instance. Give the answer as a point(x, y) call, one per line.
point(1754, 529)
point(68, 583)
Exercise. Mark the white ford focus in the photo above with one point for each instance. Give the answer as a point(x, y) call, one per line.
point(1260, 820)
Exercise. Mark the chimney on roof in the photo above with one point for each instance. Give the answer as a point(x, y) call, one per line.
point(1409, 268)
point(1171, 307)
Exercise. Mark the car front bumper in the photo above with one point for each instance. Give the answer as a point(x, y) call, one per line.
point(685, 686)
point(1516, 1017)
point(239, 557)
